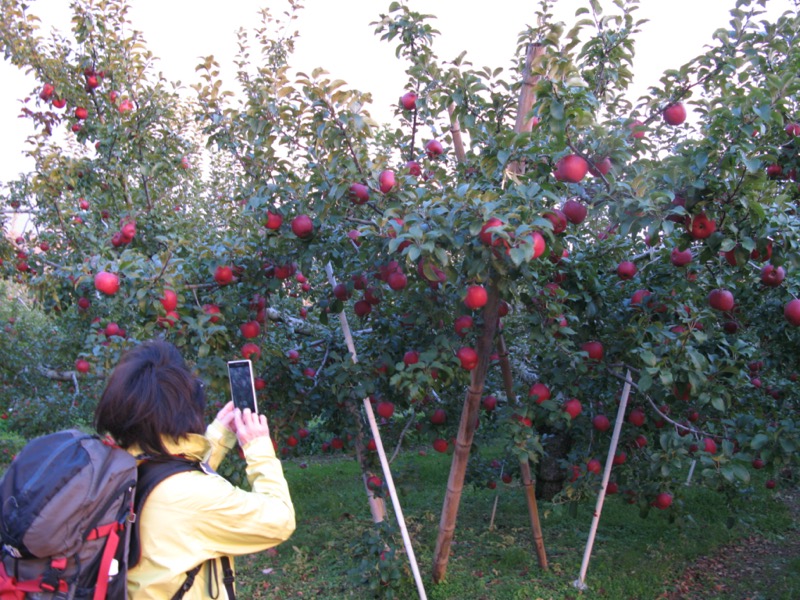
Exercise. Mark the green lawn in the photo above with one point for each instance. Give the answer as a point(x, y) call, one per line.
point(633, 557)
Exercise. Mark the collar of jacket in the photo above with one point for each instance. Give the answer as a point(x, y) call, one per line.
point(193, 446)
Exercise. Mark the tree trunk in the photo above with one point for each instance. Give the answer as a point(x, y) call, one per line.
point(549, 473)
point(524, 464)
point(466, 432)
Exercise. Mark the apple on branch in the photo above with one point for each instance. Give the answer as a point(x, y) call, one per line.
point(476, 297)
point(408, 101)
point(792, 312)
point(674, 114)
point(107, 283)
point(571, 169)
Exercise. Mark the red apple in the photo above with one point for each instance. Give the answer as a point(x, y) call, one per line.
point(250, 330)
point(107, 283)
point(411, 357)
point(223, 275)
point(414, 168)
point(438, 417)
point(721, 299)
point(362, 308)
point(663, 501)
point(574, 211)
point(81, 113)
point(626, 270)
point(440, 445)
point(602, 166)
point(601, 423)
point(793, 129)
point(84, 303)
point(341, 292)
point(486, 236)
point(111, 329)
point(82, 366)
point(594, 349)
point(573, 407)
point(770, 484)
point(772, 276)
point(774, 171)
point(463, 324)
point(47, 91)
point(59, 102)
point(169, 300)
point(675, 114)
point(701, 227)
point(359, 193)
point(434, 149)
point(489, 403)
point(125, 106)
point(636, 417)
point(468, 358)
point(537, 245)
point(302, 226)
point(213, 310)
point(475, 297)
point(594, 466)
point(386, 181)
point(792, 312)
point(758, 463)
point(558, 219)
point(385, 410)
point(397, 280)
point(619, 459)
point(539, 391)
point(274, 221)
point(571, 169)
point(408, 101)
point(637, 129)
point(710, 446)
point(680, 258)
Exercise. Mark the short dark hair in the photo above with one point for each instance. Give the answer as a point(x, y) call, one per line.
point(151, 393)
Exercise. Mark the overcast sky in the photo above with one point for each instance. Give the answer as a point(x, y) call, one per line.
point(336, 35)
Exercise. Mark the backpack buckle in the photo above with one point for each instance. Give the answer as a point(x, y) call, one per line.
point(51, 579)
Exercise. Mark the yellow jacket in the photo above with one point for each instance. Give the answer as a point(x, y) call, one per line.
point(191, 517)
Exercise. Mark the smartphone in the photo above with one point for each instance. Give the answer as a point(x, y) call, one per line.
point(243, 389)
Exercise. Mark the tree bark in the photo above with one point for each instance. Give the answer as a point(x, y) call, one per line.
point(466, 432)
point(524, 464)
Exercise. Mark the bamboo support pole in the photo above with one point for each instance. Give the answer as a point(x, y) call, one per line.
point(524, 465)
point(387, 473)
point(580, 583)
point(466, 432)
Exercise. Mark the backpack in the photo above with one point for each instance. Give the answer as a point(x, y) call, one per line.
point(65, 503)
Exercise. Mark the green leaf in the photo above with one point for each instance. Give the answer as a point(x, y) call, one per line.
point(759, 441)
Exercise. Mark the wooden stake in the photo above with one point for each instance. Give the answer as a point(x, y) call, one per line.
point(524, 465)
point(580, 583)
point(466, 432)
point(387, 473)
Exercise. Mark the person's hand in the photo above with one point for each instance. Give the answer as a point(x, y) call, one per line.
point(249, 426)
point(225, 417)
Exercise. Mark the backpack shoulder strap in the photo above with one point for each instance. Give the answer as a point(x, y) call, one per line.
point(151, 473)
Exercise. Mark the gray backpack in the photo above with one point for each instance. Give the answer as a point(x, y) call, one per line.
point(65, 506)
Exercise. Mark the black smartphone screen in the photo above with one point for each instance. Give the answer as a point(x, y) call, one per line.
point(243, 391)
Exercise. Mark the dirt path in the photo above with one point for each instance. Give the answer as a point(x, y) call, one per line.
point(755, 568)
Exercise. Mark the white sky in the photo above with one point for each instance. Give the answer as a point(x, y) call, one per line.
point(336, 35)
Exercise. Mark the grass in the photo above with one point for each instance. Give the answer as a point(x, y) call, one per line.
point(632, 558)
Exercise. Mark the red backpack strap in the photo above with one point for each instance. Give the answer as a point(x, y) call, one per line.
point(110, 550)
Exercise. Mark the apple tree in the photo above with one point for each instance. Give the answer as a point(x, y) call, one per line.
point(533, 235)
